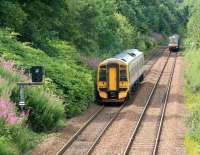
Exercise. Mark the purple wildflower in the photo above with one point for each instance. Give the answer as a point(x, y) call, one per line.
point(8, 65)
point(93, 62)
point(7, 112)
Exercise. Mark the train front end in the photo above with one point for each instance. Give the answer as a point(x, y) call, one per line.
point(174, 43)
point(112, 81)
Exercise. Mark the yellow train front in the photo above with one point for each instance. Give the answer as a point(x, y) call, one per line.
point(117, 77)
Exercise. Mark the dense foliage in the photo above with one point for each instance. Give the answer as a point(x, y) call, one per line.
point(15, 140)
point(192, 44)
point(47, 111)
point(193, 26)
point(192, 93)
point(91, 25)
point(73, 81)
point(16, 129)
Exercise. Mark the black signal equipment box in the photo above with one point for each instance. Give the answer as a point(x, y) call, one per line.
point(37, 73)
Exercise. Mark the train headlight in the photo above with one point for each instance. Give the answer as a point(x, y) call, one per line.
point(123, 84)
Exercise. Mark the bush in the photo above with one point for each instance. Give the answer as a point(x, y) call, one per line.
point(47, 113)
point(72, 80)
point(11, 15)
point(192, 93)
point(193, 70)
point(6, 148)
point(24, 138)
point(15, 139)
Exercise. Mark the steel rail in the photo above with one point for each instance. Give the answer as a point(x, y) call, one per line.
point(155, 55)
point(109, 124)
point(112, 120)
point(73, 138)
point(155, 149)
point(127, 149)
point(105, 129)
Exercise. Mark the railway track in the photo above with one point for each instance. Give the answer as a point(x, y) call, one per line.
point(156, 54)
point(89, 135)
point(159, 130)
point(80, 133)
point(138, 141)
point(149, 62)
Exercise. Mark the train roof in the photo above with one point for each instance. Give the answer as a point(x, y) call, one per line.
point(174, 36)
point(128, 55)
point(125, 57)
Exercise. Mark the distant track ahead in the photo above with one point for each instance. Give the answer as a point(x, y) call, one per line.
point(147, 105)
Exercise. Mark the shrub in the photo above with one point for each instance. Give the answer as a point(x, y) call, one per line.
point(192, 93)
point(47, 112)
point(24, 138)
point(193, 70)
point(72, 80)
point(15, 139)
point(11, 15)
point(6, 148)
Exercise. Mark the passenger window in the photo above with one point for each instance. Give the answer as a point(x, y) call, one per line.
point(102, 76)
point(123, 75)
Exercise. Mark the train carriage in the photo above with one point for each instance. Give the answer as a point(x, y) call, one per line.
point(174, 43)
point(118, 76)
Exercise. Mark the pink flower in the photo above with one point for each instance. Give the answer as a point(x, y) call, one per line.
point(93, 62)
point(8, 65)
point(8, 112)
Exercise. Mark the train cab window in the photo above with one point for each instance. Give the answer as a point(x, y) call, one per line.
point(102, 74)
point(123, 60)
point(123, 75)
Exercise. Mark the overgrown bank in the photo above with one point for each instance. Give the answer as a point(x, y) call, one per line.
point(68, 76)
point(192, 93)
point(192, 89)
point(16, 129)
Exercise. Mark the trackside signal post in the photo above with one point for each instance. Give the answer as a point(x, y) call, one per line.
point(37, 75)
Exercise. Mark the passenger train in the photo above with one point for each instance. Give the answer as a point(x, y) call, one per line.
point(117, 77)
point(174, 43)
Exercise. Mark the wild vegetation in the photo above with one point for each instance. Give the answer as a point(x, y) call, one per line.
point(192, 44)
point(67, 37)
point(16, 135)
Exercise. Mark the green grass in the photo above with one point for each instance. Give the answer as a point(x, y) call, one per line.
point(192, 147)
point(6, 147)
point(15, 139)
point(192, 94)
